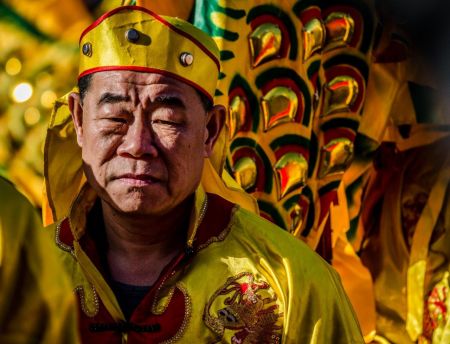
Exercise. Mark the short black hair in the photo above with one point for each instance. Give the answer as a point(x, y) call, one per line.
point(206, 101)
point(85, 81)
point(83, 85)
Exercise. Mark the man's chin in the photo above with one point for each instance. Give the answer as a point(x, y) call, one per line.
point(136, 203)
point(138, 210)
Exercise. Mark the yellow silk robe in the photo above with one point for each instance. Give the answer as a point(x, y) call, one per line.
point(243, 281)
point(36, 302)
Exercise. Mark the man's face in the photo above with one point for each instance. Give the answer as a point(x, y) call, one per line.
point(144, 138)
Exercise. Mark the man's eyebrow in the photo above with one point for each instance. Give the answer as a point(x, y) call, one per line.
point(170, 100)
point(111, 98)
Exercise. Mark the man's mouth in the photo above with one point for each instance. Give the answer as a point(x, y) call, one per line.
point(137, 179)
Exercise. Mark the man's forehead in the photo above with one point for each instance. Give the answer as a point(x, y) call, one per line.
point(112, 78)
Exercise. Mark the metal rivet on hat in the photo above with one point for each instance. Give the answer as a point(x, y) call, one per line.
point(186, 59)
point(132, 35)
point(87, 49)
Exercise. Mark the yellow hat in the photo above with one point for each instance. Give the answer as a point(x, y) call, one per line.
point(134, 38)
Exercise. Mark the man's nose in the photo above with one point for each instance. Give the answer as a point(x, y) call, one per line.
point(139, 141)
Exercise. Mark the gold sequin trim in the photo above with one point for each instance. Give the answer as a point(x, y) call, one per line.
point(187, 316)
point(161, 310)
point(203, 211)
point(201, 216)
point(223, 234)
point(84, 308)
point(59, 243)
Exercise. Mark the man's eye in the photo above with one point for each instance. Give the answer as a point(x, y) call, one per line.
point(164, 122)
point(118, 120)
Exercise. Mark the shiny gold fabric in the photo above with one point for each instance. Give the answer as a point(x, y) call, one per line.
point(303, 295)
point(36, 302)
point(410, 242)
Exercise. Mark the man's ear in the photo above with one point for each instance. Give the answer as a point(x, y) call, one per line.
point(214, 124)
point(76, 110)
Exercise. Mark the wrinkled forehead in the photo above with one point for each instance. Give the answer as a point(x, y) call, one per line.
point(138, 81)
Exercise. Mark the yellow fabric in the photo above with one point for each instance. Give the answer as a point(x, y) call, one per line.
point(388, 104)
point(407, 266)
point(61, 171)
point(307, 290)
point(356, 278)
point(358, 285)
point(62, 20)
point(226, 187)
point(160, 50)
point(36, 302)
point(174, 8)
point(419, 252)
point(382, 90)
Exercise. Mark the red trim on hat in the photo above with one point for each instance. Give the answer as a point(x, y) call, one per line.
point(147, 70)
point(162, 20)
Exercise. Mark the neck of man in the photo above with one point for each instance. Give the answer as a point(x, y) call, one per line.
point(140, 247)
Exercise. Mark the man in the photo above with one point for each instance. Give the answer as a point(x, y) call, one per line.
point(157, 248)
point(36, 302)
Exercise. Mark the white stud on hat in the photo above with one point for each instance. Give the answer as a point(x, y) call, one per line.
point(186, 59)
